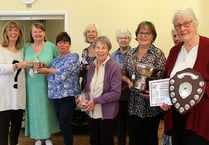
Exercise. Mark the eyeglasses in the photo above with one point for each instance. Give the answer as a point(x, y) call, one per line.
point(144, 33)
point(89, 31)
point(185, 24)
point(125, 38)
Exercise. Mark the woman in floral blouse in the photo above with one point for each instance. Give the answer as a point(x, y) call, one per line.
point(63, 84)
point(144, 120)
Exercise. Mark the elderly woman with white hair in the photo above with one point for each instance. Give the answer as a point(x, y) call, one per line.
point(104, 86)
point(193, 127)
point(123, 37)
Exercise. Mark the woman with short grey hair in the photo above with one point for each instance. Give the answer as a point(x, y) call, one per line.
point(192, 127)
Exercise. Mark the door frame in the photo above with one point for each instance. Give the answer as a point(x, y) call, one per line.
point(36, 15)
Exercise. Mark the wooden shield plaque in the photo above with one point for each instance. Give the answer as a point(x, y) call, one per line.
point(186, 89)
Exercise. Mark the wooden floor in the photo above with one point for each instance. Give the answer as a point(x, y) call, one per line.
point(79, 139)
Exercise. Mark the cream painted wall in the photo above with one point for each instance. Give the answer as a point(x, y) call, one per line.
point(113, 14)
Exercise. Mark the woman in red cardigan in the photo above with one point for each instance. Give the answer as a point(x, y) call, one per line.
point(193, 127)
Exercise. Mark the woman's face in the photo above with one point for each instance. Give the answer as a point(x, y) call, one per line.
point(12, 34)
point(63, 47)
point(123, 41)
point(185, 28)
point(37, 34)
point(91, 34)
point(102, 51)
point(144, 36)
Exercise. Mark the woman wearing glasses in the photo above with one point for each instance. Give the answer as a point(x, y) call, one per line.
point(191, 128)
point(88, 55)
point(143, 119)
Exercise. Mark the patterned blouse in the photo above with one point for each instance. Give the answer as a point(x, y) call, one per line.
point(83, 73)
point(139, 105)
point(65, 82)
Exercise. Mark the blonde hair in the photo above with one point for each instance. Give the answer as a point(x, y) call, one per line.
point(19, 42)
point(86, 29)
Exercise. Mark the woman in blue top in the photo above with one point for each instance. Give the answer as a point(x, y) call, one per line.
point(63, 84)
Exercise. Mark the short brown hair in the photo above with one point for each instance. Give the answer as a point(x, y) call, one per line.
point(150, 25)
point(63, 36)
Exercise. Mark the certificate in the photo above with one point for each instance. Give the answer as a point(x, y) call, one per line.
point(159, 93)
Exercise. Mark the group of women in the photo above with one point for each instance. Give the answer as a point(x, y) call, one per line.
point(102, 77)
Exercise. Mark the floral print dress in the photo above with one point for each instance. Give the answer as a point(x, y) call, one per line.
point(139, 105)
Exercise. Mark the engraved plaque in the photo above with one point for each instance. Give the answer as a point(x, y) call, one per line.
point(186, 90)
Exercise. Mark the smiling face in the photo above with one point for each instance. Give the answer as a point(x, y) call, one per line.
point(12, 34)
point(144, 36)
point(37, 34)
point(185, 28)
point(102, 51)
point(91, 34)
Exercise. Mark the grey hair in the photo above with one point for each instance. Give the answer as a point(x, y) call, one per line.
point(103, 40)
point(187, 12)
point(87, 27)
point(123, 31)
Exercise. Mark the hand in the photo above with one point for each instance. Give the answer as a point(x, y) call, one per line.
point(146, 96)
point(90, 106)
point(78, 102)
point(165, 107)
point(42, 71)
point(43, 65)
point(24, 64)
point(130, 84)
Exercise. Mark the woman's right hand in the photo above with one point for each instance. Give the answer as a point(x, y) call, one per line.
point(90, 106)
point(130, 84)
point(165, 107)
point(23, 64)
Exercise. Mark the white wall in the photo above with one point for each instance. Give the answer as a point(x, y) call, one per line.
point(113, 14)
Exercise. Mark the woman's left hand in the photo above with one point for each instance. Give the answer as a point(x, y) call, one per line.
point(90, 106)
point(42, 71)
point(165, 107)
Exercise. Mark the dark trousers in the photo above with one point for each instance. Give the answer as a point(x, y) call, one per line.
point(64, 109)
point(122, 120)
point(101, 131)
point(11, 118)
point(181, 136)
point(143, 131)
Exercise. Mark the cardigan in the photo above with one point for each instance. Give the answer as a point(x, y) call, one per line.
point(109, 99)
point(198, 117)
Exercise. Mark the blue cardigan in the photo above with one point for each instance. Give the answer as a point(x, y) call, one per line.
point(109, 99)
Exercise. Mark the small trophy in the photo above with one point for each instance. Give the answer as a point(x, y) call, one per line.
point(145, 71)
point(36, 65)
point(84, 98)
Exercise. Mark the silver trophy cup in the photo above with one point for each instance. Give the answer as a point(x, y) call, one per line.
point(145, 71)
point(36, 65)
